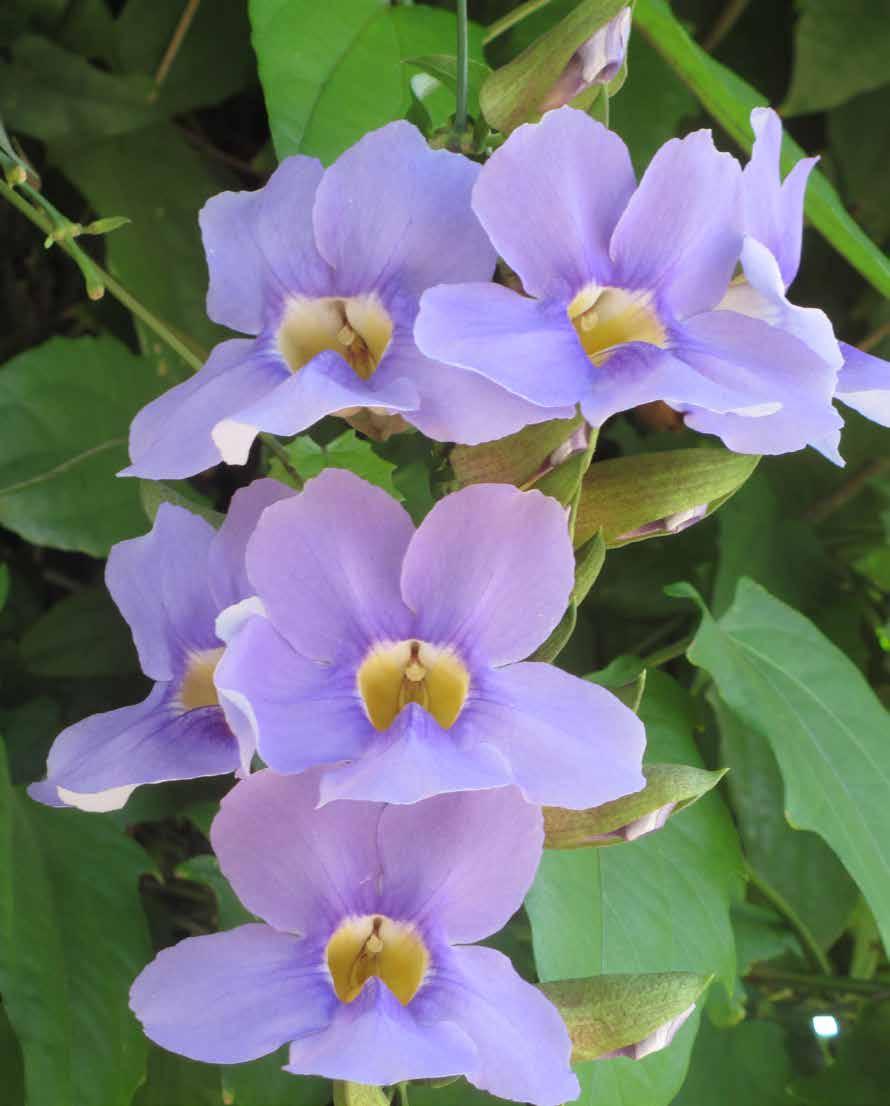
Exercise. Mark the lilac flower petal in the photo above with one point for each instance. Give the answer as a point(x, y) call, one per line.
point(260, 246)
point(461, 406)
point(171, 437)
point(528, 347)
point(680, 234)
point(337, 588)
point(295, 712)
point(550, 198)
point(229, 997)
point(159, 582)
point(150, 742)
point(773, 209)
point(522, 1043)
point(784, 431)
point(375, 1040)
point(390, 209)
point(324, 386)
point(489, 572)
point(762, 296)
point(864, 384)
point(568, 742)
point(226, 571)
point(300, 868)
point(413, 760)
point(471, 888)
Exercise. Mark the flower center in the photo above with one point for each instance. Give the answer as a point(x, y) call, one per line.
point(375, 945)
point(397, 673)
point(358, 328)
point(605, 318)
point(197, 688)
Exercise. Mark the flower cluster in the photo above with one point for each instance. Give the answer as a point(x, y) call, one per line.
point(380, 671)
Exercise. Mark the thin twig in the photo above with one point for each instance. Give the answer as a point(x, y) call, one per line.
point(824, 508)
point(668, 653)
point(832, 984)
point(185, 21)
point(463, 67)
point(811, 946)
point(876, 336)
point(725, 23)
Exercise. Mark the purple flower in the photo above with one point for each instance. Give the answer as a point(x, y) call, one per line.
point(395, 657)
point(170, 586)
point(596, 61)
point(324, 269)
point(624, 287)
point(363, 965)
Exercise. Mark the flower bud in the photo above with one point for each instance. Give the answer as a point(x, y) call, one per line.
point(596, 61)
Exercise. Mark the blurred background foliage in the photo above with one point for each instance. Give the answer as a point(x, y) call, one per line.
point(777, 882)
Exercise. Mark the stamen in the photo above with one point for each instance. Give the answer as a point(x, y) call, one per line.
point(346, 335)
point(358, 328)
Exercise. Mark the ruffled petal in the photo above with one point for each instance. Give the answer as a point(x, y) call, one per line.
point(782, 431)
point(489, 572)
point(226, 570)
point(470, 887)
point(413, 760)
point(522, 1044)
point(301, 868)
point(260, 246)
point(159, 582)
point(391, 212)
point(550, 199)
point(773, 208)
point(337, 588)
point(375, 1040)
point(680, 234)
point(569, 743)
point(172, 437)
point(229, 997)
point(526, 346)
point(864, 384)
point(150, 742)
point(295, 712)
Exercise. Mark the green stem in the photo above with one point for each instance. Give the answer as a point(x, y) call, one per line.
point(274, 446)
point(593, 433)
point(522, 11)
point(810, 945)
point(725, 23)
point(463, 67)
point(827, 983)
point(668, 652)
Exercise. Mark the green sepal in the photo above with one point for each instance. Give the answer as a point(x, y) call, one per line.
point(516, 459)
point(626, 818)
point(358, 1094)
point(610, 1012)
point(589, 561)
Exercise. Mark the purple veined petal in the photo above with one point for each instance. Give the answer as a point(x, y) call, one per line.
point(260, 246)
point(773, 208)
point(522, 1043)
point(528, 347)
point(864, 384)
point(159, 582)
point(392, 212)
point(337, 589)
point(324, 386)
point(377, 1041)
point(762, 296)
point(489, 572)
point(300, 868)
point(461, 863)
point(171, 437)
point(225, 998)
point(297, 713)
point(150, 742)
point(226, 571)
point(569, 743)
point(680, 234)
point(784, 431)
point(413, 760)
point(550, 199)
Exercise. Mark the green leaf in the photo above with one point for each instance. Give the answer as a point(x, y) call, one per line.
point(743, 1066)
point(347, 451)
point(205, 869)
point(658, 904)
point(444, 68)
point(676, 784)
point(82, 635)
point(175, 1081)
point(861, 1073)
point(72, 938)
point(828, 730)
point(860, 142)
point(181, 494)
point(158, 257)
point(12, 1089)
point(65, 413)
point(730, 100)
point(841, 48)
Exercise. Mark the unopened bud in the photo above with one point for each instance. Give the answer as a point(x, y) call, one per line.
point(596, 61)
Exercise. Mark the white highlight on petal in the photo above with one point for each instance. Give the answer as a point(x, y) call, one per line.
point(757, 410)
point(229, 621)
point(97, 802)
point(233, 440)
